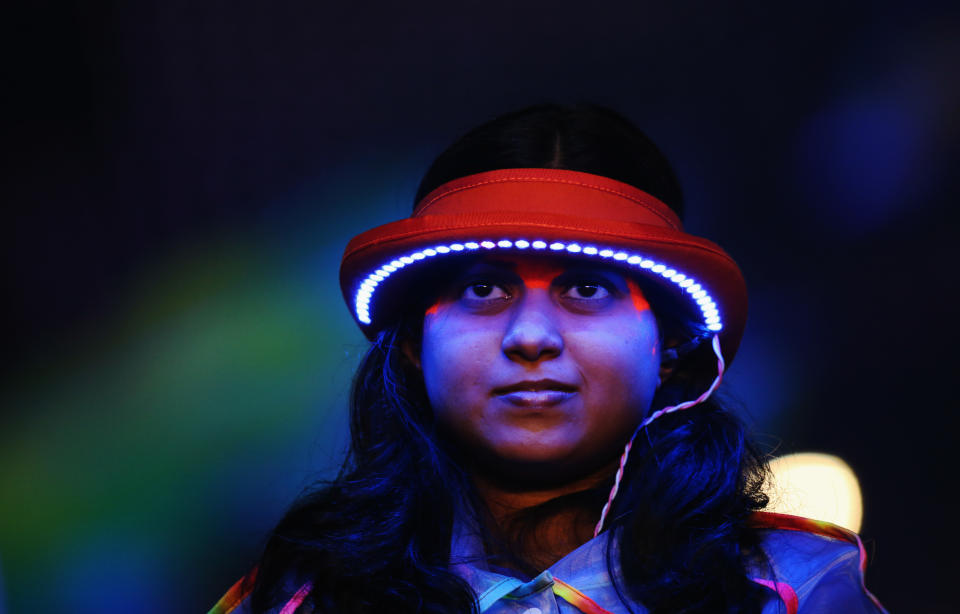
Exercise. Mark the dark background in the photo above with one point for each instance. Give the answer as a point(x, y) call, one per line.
point(181, 178)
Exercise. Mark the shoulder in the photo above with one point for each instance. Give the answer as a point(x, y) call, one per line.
point(237, 599)
point(817, 565)
point(799, 548)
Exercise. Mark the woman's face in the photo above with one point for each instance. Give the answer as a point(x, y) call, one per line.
point(540, 367)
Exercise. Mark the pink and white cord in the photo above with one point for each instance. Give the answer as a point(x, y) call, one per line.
point(715, 343)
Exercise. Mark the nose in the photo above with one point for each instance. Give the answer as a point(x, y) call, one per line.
point(532, 334)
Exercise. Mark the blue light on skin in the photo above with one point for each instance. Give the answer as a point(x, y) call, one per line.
point(540, 366)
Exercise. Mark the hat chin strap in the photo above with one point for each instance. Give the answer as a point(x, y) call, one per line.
point(715, 343)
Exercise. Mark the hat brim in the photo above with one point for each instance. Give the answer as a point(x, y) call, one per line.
point(696, 271)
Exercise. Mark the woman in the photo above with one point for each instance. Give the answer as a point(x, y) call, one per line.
point(533, 428)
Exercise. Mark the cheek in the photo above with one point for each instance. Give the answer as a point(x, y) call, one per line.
point(631, 358)
point(624, 359)
point(434, 355)
point(452, 358)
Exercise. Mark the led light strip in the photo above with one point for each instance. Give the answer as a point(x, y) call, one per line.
point(696, 293)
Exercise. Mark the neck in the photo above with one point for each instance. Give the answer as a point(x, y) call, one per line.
point(531, 540)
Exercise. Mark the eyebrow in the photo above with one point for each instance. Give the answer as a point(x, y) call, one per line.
point(571, 267)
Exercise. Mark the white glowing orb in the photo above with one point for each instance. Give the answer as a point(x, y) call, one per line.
point(817, 486)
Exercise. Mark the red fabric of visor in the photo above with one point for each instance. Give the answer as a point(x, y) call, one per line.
point(548, 191)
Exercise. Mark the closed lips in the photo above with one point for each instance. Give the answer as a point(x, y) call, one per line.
point(535, 386)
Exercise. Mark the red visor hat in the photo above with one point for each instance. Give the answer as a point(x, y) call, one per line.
point(545, 211)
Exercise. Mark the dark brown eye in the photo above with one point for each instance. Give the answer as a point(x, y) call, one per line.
point(587, 291)
point(483, 291)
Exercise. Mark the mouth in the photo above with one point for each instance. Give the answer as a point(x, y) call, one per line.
point(538, 393)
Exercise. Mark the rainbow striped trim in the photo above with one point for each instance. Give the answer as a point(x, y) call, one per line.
point(242, 589)
point(787, 595)
point(576, 598)
point(235, 596)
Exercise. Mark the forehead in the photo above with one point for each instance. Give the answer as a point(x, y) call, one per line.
point(534, 265)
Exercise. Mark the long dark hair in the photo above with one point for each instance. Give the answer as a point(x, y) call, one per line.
point(377, 537)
